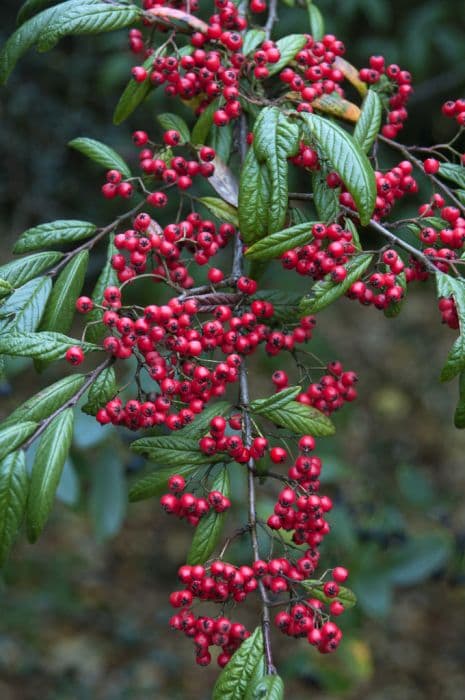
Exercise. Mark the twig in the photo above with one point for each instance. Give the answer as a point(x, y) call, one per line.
point(272, 18)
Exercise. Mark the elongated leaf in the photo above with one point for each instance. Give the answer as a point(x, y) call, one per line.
point(156, 483)
point(299, 418)
point(31, 7)
point(266, 688)
point(46, 401)
point(254, 199)
point(246, 664)
point(14, 435)
point(46, 471)
point(327, 291)
point(52, 234)
point(172, 121)
point(23, 310)
point(204, 122)
point(369, 123)
point(108, 277)
point(252, 39)
point(13, 497)
point(317, 25)
point(133, 95)
point(18, 272)
point(108, 496)
point(278, 243)
point(62, 304)
point(288, 47)
point(347, 158)
point(454, 287)
point(201, 423)
point(454, 173)
point(345, 595)
point(325, 199)
point(101, 154)
point(459, 415)
point(281, 398)
point(172, 451)
point(43, 346)
point(208, 531)
point(275, 139)
point(222, 210)
point(224, 182)
point(102, 390)
point(221, 139)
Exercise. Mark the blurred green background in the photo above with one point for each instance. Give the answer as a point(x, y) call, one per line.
point(84, 612)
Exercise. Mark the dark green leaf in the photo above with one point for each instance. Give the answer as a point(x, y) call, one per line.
point(13, 436)
point(459, 415)
point(254, 199)
point(23, 310)
point(172, 451)
point(13, 496)
point(317, 25)
point(274, 245)
point(347, 158)
point(276, 138)
point(220, 209)
point(246, 665)
point(420, 557)
point(454, 173)
point(108, 496)
point(299, 418)
point(288, 47)
point(266, 688)
point(345, 595)
point(221, 139)
point(204, 122)
point(102, 390)
point(96, 331)
point(172, 121)
point(252, 39)
point(327, 291)
point(101, 154)
point(369, 123)
point(156, 483)
point(201, 423)
point(53, 233)
point(208, 531)
point(60, 309)
point(325, 199)
point(18, 272)
point(31, 7)
point(5, 288)
point(454, 287)
point(43, 346)
point(350, 226)
point(46, 471)
point(281, 398)
point(133, 95)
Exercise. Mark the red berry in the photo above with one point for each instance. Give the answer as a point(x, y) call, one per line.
point(74, 355)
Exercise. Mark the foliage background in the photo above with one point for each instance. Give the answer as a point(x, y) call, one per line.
point(84, 612)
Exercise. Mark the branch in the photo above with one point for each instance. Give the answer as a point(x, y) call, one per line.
point(272, 18)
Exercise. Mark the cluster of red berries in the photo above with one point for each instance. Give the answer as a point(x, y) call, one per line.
point(448, 312)
point(332, 390)
point(396, 83)
point(188, 505)
point(456, 110)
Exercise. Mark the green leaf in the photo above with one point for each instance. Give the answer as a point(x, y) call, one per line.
point(317, 25)
point(47, 401)
point(369, 123)
point(278, 400)
point(266, 688)
point(73, 17)
point(108, 496)
point(13, 497)
point(201, 423)
point(254, 199)
point(252, 40)
point(204, 122)
point(31, 7)
point(101, 154)
point(420, 557)
point(276, 138)
point(172, 121)
point(221, 139)
point(246, 664)
point(350, 226)
point(327, 291)
point(345, 595)
point(18, 272)
point(454, 287)
point(299, 418)
point(43, 346)
point(133, 95)
point(60, 309)
point(46, 471)
point(288, 47)
point(14, 435)
point(156, 483)
point(208, 531)
point(454, 173)
point(102, 390)
point(220, 209)
point(459, 415)
point(347, 158)
point(325, 199)
point(96, 331)
point(5, 288)
point(285, 304)
point(173, 451)
point(274, 245)
point(53, 233)
point(23, 310)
